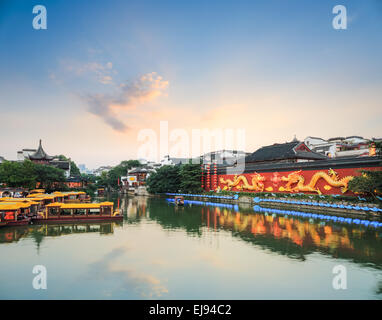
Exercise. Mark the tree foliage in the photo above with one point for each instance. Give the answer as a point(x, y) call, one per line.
point(27, 174)
point(88, 178)
point(49, 176)
point(378, 149)
point(18, 174)
point(184, 178)
point(190, 177)
point(165, 179)
point(370, 182)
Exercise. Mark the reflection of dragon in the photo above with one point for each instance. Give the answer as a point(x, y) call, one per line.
point(331, 178)
point(257, 184)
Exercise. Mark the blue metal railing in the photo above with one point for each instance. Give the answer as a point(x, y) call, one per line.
point(318, 204)
point(211, 196)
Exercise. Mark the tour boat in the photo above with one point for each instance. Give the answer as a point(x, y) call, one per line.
point(44, 197)
point(14, 213)
point(100, 192)
point(29, 206)
point(74, 197)
point(36, 191)
point(65, 197)
point(179, 200)
point(84, 212)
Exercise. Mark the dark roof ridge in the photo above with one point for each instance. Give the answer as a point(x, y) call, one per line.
point(40, 154)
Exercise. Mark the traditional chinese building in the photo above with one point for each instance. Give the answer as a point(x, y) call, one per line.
point(74, 182)
point(40, 156)
point(141, 175)
point(352, 146)
point(291, 152)
point(290, 167)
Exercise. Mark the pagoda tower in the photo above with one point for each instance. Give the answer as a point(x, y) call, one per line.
point(40, 156)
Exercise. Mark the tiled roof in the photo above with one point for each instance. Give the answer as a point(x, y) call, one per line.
point(40, 154)
point(65, 165)
point(283, 151)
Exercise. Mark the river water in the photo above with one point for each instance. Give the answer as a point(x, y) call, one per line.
point(161, 251)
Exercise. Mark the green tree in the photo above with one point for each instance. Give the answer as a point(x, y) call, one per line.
point(378, 149)
point(190, 177)
point(88, 178)
point(90, 183)
point(49, 177)
point(370, 182)
point(165, 179)
point(27, 174)
point(18, 174)
point(102, 180)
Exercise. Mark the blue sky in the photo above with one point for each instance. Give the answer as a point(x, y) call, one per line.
point(103, 70)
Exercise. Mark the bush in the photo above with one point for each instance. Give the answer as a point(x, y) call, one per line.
point(369, 183)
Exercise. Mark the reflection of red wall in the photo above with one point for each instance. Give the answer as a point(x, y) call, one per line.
point(273, 179)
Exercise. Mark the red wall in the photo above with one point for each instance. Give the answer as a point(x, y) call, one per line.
point(273, 180)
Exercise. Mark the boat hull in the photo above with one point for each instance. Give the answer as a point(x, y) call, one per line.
point(17, 223)
point(76, 219)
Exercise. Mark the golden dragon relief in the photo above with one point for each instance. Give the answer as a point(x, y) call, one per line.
point(331, 178)
point(295, 182)
point(257, 183)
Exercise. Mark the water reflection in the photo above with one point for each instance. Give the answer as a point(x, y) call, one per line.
point(171, 252)
point(290, 236)
point(38, 233)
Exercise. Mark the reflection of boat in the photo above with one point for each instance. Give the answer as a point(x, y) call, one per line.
point(13, 234)
point(179, 200)
point(14, 213)
point(84, 212)
point(38, 232)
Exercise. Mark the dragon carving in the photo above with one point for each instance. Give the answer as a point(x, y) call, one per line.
point(257, 182)
point(331, 178)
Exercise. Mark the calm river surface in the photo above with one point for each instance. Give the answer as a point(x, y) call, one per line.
point(199, 252)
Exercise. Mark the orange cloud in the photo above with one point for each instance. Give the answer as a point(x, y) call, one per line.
point(129, 96)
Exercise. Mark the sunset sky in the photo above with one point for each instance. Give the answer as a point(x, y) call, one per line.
point(104, 70)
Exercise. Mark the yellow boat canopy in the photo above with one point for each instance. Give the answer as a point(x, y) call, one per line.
point(79, 205)
point(69, 193)
point(18, 200)
point(14, 205)
point(36, 199)
point(37, 190)
point(43, 196)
